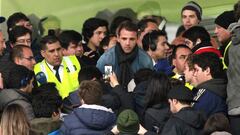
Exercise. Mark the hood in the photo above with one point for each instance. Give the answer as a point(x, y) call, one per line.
point(9, 95)
point(217, 86)
point(95, 116)
point(201, 45)
point(191, 117)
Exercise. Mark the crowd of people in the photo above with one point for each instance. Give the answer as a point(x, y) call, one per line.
point(122, 79)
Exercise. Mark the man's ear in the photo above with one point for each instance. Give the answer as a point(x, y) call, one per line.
point(12, 45)
point(198, 41)
point(208, 71)
point(174, 61)
point(43, 53)
point(118, 38)
point(64, 51)
point(55, 116)
point(175, 101)
point(17, 60)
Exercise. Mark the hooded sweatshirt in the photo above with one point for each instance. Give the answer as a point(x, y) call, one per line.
point(185, 122)
point(233, 72)
point(211, 97)
point(88, 119)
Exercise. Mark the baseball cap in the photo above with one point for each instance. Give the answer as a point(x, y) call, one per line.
point(181, 92)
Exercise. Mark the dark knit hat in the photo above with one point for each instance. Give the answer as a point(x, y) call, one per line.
point(181, 92)
point(2, 19)
point(128, 122)
point(191, 5)
point(225, 19)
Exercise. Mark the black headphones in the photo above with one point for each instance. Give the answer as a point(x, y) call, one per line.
point(152, 44)
point(26, 80)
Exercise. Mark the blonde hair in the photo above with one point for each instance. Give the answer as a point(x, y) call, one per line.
point(14, 121)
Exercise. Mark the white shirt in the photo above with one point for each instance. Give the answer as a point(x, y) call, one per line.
point(154, 62)
point(60, 70)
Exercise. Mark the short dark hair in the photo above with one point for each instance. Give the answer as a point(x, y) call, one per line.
point(142, 24)
point(88, 73)
point(20, 77)
point(116, 22)
point(105, 42)
point(90, 25)
point(189, 62)
point(17, 51)
point(46, 100)
point(174, 82)
point(157, 89)
point(49, 39)
point(236, 10)
point(175, 48)
point(18, 31)
point(152, 38)
point(15, 18)
point(180, 30)
point(196, 32)
point(209, 60)
point(216, 122)
point(129, 26)
point(69, 36)
point(91, 92)
point(142, 75)
point(184, 102)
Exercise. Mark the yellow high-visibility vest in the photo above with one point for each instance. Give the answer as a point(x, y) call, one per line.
point(224, 55)
point(69, 81)
point(188, 85)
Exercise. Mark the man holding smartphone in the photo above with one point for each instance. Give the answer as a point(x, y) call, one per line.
point(125, 58)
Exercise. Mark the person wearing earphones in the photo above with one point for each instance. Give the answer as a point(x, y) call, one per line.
point(19, 93)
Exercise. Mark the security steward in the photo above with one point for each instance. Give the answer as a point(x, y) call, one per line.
point(62, 70)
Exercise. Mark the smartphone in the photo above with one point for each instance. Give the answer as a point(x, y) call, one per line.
point(107, 71)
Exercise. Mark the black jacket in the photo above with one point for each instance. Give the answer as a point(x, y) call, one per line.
point(138, 98)
point(156, 117)
point(185, 122)
point(217, 86)
point(125, 98)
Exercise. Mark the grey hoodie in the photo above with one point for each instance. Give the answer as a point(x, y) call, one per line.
point(233, 72)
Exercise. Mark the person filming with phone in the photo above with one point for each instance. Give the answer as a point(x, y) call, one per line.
point(125, 58)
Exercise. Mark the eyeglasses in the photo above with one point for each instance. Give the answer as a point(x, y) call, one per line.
point(29, 58)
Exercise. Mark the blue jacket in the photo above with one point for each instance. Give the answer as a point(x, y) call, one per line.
point(109, 58)
point(211, 97)
point(164, 66)
point(88, 120)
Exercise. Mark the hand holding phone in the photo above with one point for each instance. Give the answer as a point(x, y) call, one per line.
point(113, 81)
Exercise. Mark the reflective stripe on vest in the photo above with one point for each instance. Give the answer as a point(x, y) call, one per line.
point(69, 64)
point(188, 85)
point(225, 51)
point(43, 69)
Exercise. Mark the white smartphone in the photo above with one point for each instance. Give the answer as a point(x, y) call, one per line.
point(107, 71)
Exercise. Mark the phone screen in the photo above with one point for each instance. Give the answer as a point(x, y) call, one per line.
point(107, 71)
